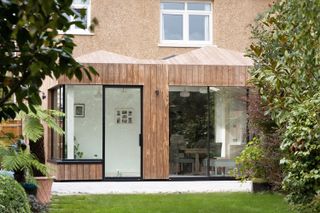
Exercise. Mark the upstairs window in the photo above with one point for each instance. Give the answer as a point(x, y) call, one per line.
point(81, 7)
point(186, 23)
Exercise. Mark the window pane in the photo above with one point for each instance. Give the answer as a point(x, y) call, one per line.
point(172, 6)
point(84, 2)
point(207, 130)
point(198, 28)
point(57, 140)
point(229, 128)
point(188, 124)
point(172, 27)
point(83, 133)
point(199, 6)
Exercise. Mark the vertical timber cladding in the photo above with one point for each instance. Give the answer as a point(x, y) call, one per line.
point(207, 75)
point(75, 171)
point(156, 79)
point(155, 105)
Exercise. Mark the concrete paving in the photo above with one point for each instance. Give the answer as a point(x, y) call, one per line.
point(149, 187)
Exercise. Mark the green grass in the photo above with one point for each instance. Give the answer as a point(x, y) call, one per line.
point(171, 203)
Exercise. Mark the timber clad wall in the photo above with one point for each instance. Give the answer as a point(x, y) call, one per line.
point(11, 126)
point(153, 77)
point(207, 75)
point(155, 80)
point(76, 171)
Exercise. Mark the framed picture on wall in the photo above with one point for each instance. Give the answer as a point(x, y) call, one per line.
point(79, 110)
point(124, 116)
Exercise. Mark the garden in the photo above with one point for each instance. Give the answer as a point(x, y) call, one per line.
point(177, 203)
point(284, 114)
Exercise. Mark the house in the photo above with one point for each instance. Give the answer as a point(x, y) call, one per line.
point(170, 98)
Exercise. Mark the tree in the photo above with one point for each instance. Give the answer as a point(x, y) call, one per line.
point(31, 49)
point(285, 51)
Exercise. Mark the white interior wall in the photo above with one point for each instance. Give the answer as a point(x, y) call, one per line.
point(122, 150)
point(87, 130)
point(69, 120)
point(220, 121)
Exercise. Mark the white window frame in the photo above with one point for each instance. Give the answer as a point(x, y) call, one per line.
point(73, 30)
point(185, 13)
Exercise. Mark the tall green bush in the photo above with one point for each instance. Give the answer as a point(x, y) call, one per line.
point(249, 164)
point(13, 198)
point(266, 131)
point(285, 51)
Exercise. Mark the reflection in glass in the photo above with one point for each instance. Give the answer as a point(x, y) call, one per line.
point(207, 129)
point(188, 131)
point(198, 28)
point(199, 6)
point(229, 126)
point(172, 6)
point(173, 27)
point(57, 140)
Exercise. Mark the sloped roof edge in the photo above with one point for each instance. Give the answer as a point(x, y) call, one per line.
point(105, 57)
point(209, 55)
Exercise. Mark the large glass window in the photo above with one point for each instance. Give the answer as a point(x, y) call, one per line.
point(56, 139)
point(208, 127)
point(186, 23)
point(83, 138)
point(82, 122)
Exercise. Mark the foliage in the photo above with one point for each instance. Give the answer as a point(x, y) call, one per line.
point(32, 127)
point(12, 196)
point(77, 153)
point(31, 49)
point(19, 159)
point(248, 162)
point(286, 72)
point(267, 132)
point(36, 205)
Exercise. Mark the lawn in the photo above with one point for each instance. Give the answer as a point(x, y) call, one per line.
point(171, 203)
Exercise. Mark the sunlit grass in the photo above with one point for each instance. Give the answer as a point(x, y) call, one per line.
point(180, 203)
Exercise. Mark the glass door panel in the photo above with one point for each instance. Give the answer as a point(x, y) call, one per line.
point(122, 132)
point(188, 131)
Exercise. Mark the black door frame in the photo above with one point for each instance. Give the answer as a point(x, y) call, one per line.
point(104, 87)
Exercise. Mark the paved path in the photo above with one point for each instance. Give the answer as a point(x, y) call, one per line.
point(106, 187)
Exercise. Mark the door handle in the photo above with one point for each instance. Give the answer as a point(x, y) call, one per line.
point(140, 140)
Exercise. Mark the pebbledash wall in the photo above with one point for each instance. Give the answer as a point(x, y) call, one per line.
point(132, 28)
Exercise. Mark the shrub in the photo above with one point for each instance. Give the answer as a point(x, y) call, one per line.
point(36, 205)
point(12, 196)
point(268, 133)
point(248, 162)
point(285, 51)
